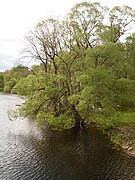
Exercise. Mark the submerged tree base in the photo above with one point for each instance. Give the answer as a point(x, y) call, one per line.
point(80, 124)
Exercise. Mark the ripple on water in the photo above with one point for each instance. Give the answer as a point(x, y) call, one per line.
point(28, 153)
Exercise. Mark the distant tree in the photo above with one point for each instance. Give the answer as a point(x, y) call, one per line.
point(1, 82)
point(130, 57)
point(12, 77)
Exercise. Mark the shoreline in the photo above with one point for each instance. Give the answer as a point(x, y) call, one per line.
point(120, 129)
point(123, 137)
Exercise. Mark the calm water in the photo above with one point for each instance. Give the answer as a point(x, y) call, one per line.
point(27, 153)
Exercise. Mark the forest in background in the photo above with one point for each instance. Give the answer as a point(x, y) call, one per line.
point(87, 69)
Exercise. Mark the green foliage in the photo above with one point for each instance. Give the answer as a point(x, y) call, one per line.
point(123, 96)
point(73, 99)
point(64, 121)
point(8, 86)
point(104, 122)
point(1, 82)
point(126, 118)
point(13, 76)
point(116, 119)
point(86, 72)
point(25, 86)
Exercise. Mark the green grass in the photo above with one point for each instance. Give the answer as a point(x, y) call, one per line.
point(126, 118)
point(117, 119)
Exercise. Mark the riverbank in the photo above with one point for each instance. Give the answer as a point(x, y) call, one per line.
point(120, 129)
point(30, 153)
point(124, 137)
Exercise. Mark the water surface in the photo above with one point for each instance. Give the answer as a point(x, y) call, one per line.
point(27, 153)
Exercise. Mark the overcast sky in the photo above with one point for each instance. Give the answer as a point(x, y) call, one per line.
point(17, 17)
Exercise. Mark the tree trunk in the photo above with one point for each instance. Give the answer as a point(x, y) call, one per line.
point(79, 121)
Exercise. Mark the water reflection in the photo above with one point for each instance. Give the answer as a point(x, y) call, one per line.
point(28, 153)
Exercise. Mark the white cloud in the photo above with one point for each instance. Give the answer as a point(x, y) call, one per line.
point(7, 62)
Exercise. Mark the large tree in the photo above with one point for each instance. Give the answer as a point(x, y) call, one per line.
point(85, 66)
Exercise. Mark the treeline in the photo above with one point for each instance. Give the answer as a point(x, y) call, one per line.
point(10, 78)
point(87, 70)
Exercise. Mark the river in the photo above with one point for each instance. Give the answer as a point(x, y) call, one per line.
point(28, 153)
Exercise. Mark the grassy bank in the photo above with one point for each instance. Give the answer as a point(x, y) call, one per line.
point(120, 127)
